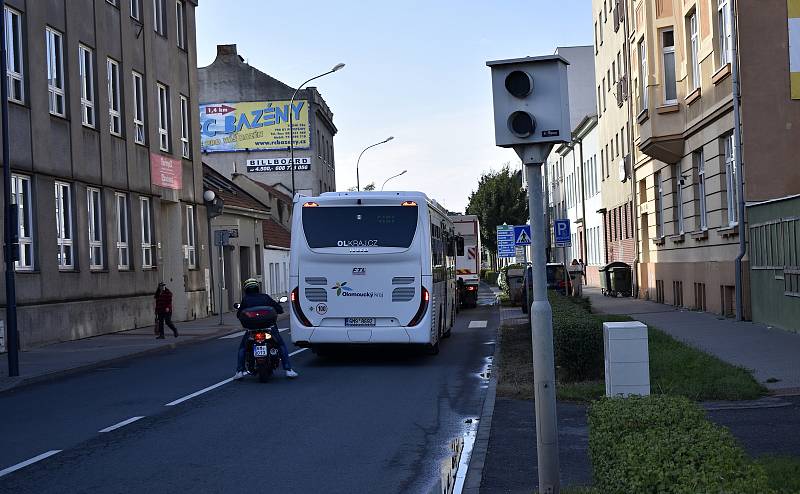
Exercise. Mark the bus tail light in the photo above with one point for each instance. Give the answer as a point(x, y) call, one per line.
point(298, 311)
point(408, 203)
point(310, 205)
point(423, 307)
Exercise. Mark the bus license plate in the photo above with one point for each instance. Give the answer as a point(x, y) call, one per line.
point(359, 321)
point(260, 351)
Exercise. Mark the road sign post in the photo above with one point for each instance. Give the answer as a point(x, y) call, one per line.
point(563, 237)
point(221, 239)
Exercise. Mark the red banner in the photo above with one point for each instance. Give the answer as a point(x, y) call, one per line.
point(165, 171)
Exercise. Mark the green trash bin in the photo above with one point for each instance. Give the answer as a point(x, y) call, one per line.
point(620, 280)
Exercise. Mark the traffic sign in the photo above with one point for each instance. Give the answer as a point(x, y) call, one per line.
point(522, 234)
point(505, 241)
point(562, 233)
point(222, 237)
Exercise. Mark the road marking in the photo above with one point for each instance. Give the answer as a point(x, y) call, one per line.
point(463, 464)
point(198, 393)
point(477, 324)
point(297, 351)
point(121, 424)
point(25, 463)
point(240, 333)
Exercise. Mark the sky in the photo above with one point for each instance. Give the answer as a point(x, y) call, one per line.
point(415, 70)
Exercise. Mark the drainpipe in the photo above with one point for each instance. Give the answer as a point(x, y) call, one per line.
point(634, 203)
point(737, 144)
point(583, 203)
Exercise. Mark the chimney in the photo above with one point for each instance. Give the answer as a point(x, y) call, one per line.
point(224, 50)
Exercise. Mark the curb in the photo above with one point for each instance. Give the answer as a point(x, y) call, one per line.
point(472, 483)
point(51, 376)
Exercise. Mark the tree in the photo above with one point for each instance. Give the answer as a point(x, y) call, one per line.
point(499, 199)
point(368, 187)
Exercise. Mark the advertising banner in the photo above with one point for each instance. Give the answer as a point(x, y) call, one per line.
point(165, 171)
point(278, 165)
point(253, 125)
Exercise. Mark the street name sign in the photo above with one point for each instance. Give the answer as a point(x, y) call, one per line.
point(505, 241)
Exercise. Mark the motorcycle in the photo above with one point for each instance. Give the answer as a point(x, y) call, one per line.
point(262, 356)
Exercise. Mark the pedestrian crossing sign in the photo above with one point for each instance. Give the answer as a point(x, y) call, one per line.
point(522, 235)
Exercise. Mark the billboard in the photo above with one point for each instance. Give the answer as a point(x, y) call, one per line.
point(278, 165)
point(165, 172)
point(253, 125)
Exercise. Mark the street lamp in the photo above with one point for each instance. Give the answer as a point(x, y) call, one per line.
point(336, 67)
point(393, 176)
point(358, 182)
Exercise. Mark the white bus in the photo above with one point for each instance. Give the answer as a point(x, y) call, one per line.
point(371, 267)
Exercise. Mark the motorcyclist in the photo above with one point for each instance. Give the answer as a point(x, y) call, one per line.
point(254, 298)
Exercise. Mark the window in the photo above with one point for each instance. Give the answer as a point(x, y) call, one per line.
point(600, 17)
point(596, 45)
point(599, 103)
point(185, 147)
point(191, 241)
point(95, 206)
point(608, 163)
point(147, 232)
point(64, 225)
point(138, 108)
point(86, 74)
point(678, 178)
point(613, 71)
point(180, 18)
point(21, 196)
point(123, 253)
point(694, 51)
point(700, 165)
point(114, 106)
point(659, 185)
point(136, 10)
point(668, 52)
point(724, 25)
point(13, 20)
point(643, 100)
point(159, 17)
point(55, 71)
point(163, 118)
point(605, 91)
point(731, 179)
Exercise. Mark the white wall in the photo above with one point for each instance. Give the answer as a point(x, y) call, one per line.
point(276, 271)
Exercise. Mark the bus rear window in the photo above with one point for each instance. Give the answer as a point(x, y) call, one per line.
point(360, 226)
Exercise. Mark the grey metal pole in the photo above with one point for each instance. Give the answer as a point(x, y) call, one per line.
point(737, 152)
point(542, 340)
point(221, 277)
point(12, 342)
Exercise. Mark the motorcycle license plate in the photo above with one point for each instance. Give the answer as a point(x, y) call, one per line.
point(359, 321)
point(260, 350)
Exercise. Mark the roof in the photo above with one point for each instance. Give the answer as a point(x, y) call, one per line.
point(275, 234)
point(230, 193)
point(273, 190)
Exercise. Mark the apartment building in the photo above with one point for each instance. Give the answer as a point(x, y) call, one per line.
point(614, 131)
point(106, 171)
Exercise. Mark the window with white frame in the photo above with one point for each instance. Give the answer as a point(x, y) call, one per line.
point(21, 196)
point(185, 146)
point(700, 164)
point(163, 117)
point(95, 209)
point(678, 202)
point(55, 71)
point(147, 232)
point(191, 240)
point(180, 19)
point(123, 252)
point(731, 180)
point(659, 185)
point(724, 27)
point(668, 53)
point(63, 196)
point(86, 74)
point(16, 84)
point(136, 10)
point(138, 108)
point(160, 17)
point(643, 99)
point(114, 99)
point(694, 50)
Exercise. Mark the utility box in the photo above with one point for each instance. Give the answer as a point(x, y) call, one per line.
point(627, 358)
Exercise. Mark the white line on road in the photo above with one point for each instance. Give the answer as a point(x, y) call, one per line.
point(25, 463)
point(121, 424)
point(477, 324)
point(198, 393)
point(297, 351)
point(240, 333)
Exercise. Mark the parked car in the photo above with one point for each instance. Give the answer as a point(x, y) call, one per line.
point(555, 281)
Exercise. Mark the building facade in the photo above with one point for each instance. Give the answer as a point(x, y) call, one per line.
point(229, 82)
point(107, 175)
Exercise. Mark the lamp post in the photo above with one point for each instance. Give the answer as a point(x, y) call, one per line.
point(393, 176)
point(358, 182)
point(214, 206)
point(336, 67)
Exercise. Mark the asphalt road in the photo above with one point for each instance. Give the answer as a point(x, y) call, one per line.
point(376, 421)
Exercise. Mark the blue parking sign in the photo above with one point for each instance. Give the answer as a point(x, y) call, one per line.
point(562, 233)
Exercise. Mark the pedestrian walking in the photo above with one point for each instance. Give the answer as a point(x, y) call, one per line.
point(163, 298)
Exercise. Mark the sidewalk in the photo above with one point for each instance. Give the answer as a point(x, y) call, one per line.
point(70, 357)
point(770, 353)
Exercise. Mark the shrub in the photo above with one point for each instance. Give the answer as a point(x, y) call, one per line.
point(490, 277)
point(665, 444)
point(577, 340)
